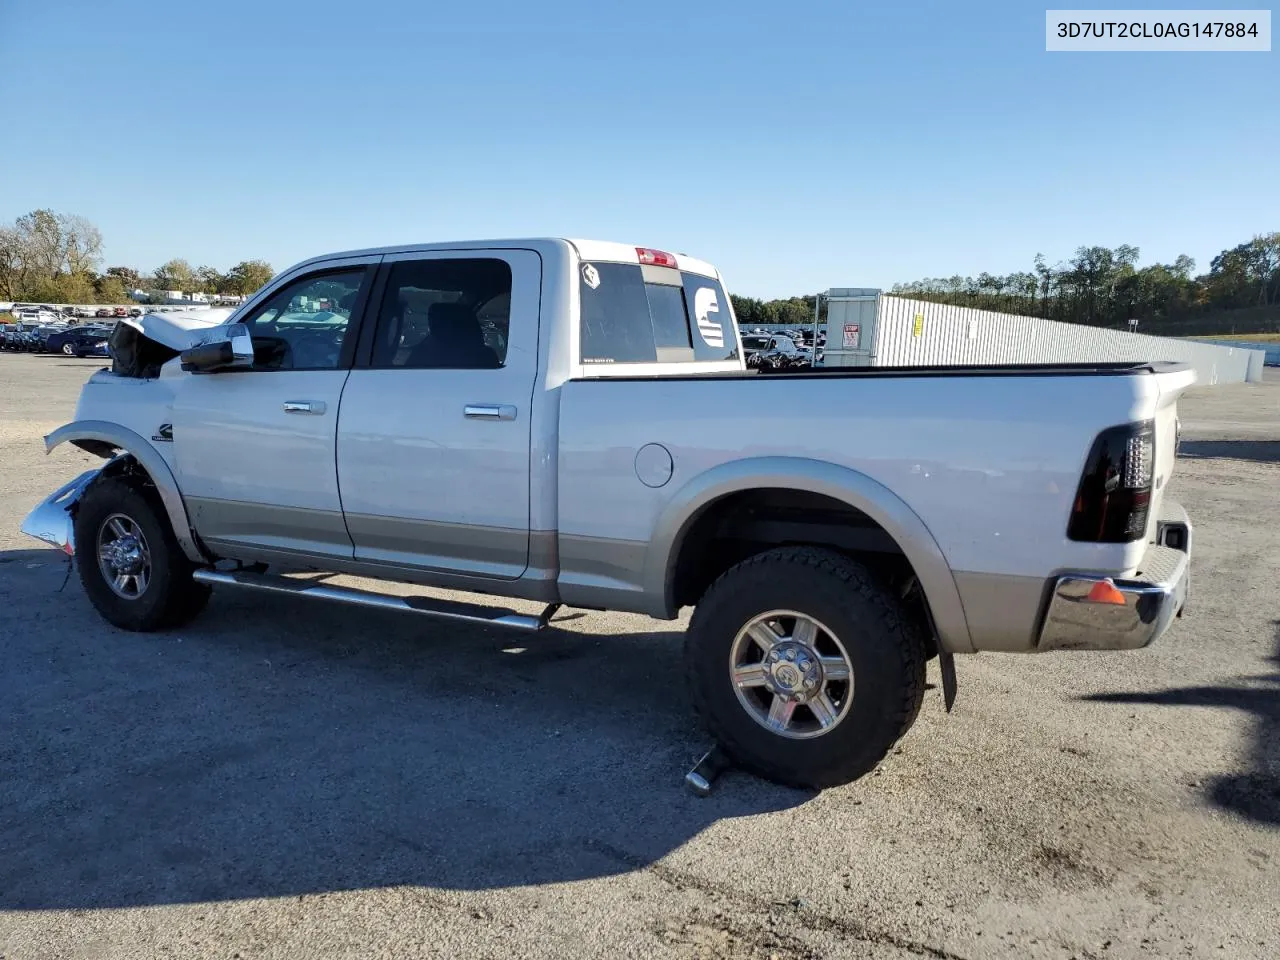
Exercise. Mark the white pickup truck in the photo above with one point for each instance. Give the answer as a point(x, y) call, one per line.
point(571, 422)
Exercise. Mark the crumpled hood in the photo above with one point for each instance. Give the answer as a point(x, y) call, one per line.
point(179, 331)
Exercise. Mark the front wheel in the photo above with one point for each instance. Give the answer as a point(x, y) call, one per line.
point(803, 667)
point(135, 574)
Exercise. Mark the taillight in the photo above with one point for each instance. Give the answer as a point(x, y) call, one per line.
point(1112, 503)
point(656, 258)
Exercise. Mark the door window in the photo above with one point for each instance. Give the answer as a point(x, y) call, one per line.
point(445, 314)
point(305, 325)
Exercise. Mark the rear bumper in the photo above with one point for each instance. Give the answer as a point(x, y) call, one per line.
point(1085, 616)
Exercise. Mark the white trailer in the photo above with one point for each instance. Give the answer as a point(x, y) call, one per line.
point(867, 328)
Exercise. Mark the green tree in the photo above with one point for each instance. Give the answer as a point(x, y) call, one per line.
point(248, 276)
point(129, 278)
point(208, 280)
point(175, 275)
point(111, 289)
point(41, 247)
point(65, 288)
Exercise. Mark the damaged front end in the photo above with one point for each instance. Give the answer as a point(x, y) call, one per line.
point(53, 521)
point(140, 346)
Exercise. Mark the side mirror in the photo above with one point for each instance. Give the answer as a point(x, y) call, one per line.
point(233, 350)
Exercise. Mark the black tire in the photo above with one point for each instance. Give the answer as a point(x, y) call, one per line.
point(170, 597)
point(885, 646)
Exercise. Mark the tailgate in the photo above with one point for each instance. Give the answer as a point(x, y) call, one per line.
point(1171, 386)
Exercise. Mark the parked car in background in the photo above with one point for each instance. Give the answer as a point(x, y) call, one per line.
point(135, 312)
point(95, 348)
point(18, 337)
point(77, 340)
point(102, 312)
point(121, 312)
point(83, 313)
point(774, 352)
point(38, 315)
point(41, 336)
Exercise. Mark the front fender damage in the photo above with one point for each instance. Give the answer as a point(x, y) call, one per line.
point(128, 450)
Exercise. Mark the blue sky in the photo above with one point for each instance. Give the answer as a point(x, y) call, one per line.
point(797, 145)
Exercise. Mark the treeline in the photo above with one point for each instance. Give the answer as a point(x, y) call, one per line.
point(768, 313)
point(1103, 287)
point(48, 257)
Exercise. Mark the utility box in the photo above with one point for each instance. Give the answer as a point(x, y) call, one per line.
point(851, 326)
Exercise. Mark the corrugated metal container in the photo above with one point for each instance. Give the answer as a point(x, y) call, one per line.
point(851, 326)
point(918, 333)
point(1270, 351)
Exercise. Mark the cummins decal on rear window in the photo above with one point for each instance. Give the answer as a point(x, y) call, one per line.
point(634, 314)
point(705, 305)
point(712, 316)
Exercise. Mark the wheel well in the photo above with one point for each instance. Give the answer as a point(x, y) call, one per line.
point(740, 525)
point(128, 467)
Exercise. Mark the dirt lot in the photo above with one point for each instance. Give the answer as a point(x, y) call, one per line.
point(290, 780)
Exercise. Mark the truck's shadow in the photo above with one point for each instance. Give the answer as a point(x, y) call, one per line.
point(1254, 794)
point(277, 747)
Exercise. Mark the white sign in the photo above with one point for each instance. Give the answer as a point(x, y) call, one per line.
point(852, 335)
point(705, 304)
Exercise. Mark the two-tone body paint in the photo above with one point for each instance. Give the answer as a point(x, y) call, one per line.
point(972, 475)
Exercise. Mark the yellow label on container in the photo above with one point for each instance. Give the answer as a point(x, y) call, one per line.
point(917, 327)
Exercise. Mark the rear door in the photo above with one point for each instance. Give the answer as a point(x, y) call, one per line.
point(434, 431)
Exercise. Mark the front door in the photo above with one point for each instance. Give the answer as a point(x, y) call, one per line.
point(255, 449)
point(434, 432)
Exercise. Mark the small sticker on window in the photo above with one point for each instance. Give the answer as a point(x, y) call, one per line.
point(590, 275)
point(705, 303)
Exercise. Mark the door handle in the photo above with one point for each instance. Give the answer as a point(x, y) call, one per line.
point(489, 411)
point(304, 406)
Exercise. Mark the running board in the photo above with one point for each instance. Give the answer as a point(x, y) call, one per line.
point(428, 606)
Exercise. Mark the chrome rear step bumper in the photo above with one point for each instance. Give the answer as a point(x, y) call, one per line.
point(427, 606)
point(1097, 612)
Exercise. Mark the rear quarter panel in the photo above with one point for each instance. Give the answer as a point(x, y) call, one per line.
point(989, 465)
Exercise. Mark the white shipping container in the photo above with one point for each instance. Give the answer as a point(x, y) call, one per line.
point(902, 332)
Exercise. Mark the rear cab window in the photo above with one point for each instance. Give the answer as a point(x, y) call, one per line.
point(634, 313)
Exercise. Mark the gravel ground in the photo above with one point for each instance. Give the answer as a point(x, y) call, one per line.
point(291, 780)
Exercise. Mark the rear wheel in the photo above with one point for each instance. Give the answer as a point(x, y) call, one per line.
point(803, 667)
point(133, 571)
point(68, 349)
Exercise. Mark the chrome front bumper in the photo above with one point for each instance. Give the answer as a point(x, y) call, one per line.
point(52, 521)
point(1096, 612)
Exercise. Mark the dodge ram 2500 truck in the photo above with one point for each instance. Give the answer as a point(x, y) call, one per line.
point(571, 422)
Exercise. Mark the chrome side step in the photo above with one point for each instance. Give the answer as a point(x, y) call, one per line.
point(428, 606)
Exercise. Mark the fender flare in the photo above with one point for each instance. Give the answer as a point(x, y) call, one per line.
point(828, 479)
point(105, 439)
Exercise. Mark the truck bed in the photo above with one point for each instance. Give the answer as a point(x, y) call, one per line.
point(987, 458)
point(1115, 369)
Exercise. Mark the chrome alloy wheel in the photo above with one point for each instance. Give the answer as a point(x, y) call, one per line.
point(124, 557)
point(791, 674)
